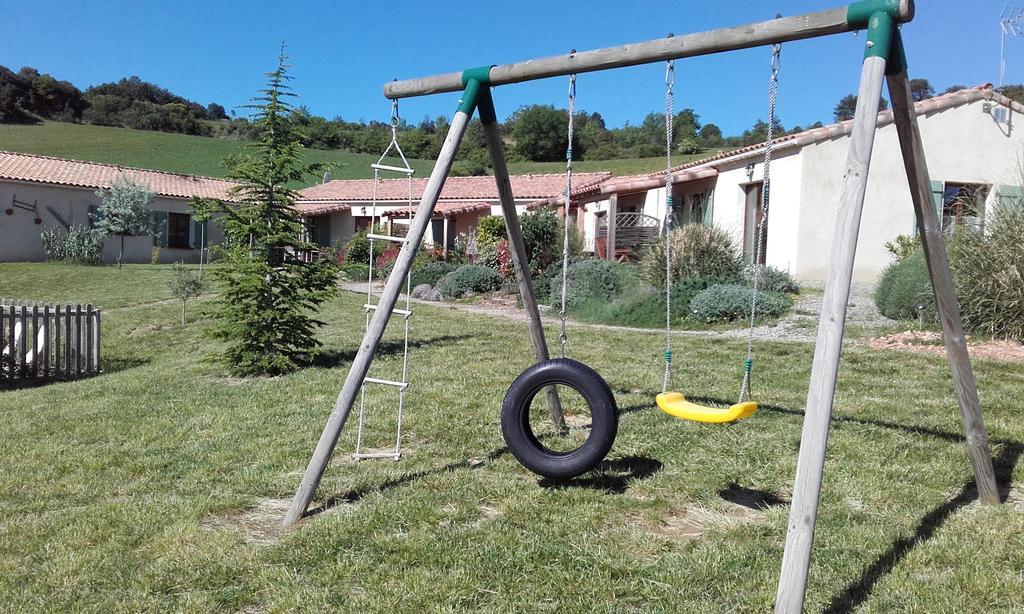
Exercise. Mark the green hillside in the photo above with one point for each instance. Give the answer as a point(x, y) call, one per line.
point(198, 155)
point(177, 153)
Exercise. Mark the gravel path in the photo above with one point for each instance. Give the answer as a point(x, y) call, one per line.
point(800, 324)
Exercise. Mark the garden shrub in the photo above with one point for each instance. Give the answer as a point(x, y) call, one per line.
point(79, 245)
point(357, 250)
point(469, 279)
point(903, 246)
point(384, 262)
point(592, 279)
point(353, 271)
point(489, 231)
point(905, 287)
point(988, 270)
point(542, 237)
point(431, 273)
point(772, 280)
point(728, 302)
point(697, 251)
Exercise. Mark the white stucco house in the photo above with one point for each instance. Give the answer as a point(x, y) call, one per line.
point(336, 209)
point(972, 143)
point(37, 192)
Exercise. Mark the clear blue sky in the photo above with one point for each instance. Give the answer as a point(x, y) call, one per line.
point(342, 52)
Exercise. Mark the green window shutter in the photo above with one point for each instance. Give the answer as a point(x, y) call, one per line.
point(195, 234)
point(937, 189)
point(160, 228)
point(1009, 195)
point(709, 207)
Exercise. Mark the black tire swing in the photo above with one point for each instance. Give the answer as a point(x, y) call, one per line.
point(525, 445)
point(519, 435)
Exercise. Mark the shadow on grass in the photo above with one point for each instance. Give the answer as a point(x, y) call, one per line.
point(613, 477)
point(858, 591)
point(330, 359)
point(750, 497)
point(619, 474)
point(108, 366)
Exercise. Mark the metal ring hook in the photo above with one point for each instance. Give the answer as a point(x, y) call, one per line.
point(670, 73)
point(395, 118)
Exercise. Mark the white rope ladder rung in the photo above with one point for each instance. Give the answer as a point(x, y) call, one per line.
point(397, 169)
point(378, 237)
point(385, 382)
point(402, 312)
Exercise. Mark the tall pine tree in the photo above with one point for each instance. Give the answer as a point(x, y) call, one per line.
point(266, 310)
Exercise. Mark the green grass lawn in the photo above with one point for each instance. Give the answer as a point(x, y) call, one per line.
point(199, 155)
point(160, 484)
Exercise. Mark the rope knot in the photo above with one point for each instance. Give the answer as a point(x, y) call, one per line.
point(748, 365)
point(668, 356)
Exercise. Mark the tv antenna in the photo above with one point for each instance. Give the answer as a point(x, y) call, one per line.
point(1010, 22)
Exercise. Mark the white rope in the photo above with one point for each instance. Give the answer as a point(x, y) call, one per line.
point(670, 80)
point(395, 123)
point(773, 88)
point(563, 337)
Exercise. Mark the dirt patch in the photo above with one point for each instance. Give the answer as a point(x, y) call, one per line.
point(258, 525)
point(693, 521)
point(930, 342)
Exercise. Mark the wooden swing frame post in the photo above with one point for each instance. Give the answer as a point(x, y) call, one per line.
point(879, 17)
point(520, 261)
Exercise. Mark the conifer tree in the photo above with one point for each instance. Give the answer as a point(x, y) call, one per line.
point(269, 296)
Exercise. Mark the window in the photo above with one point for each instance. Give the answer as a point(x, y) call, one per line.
point(963, 206)
point(178, 225)
point(752, 221)
point(690, 208)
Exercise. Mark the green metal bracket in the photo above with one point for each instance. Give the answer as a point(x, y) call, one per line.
point(880, 29)
point(859, 13)
point(474, 79)
point(897, 56)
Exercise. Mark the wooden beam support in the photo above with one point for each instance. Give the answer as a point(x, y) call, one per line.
point(517, 247)
point(946, 303)
point(803, 511)
point(783, 29)
point(613, 210)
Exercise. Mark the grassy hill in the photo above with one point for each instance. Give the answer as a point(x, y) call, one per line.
point(181, 153)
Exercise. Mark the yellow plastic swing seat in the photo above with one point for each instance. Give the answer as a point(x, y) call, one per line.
point(675, 404)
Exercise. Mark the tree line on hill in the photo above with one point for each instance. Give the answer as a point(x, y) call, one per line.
point(535, 133)
point(29, 96)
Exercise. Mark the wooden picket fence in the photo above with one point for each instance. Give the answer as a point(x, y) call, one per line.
point(42, 342)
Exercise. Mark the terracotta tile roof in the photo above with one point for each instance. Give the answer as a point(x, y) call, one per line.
point(337, 195)
point(77, 173)
point(444, 209)
point(693, 170)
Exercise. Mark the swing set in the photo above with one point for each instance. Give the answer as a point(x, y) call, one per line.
point(884, 60)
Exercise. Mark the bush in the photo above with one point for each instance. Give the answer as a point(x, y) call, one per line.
point(904, 287)
point(542, 236)
point(80, 245)
point(469, 279)
point(357, 250)
point(592, 279)
point(697, 251)
point(988, 270)
point(384, 262)
point(489, 231)
point(353, 271)
point(772, 280)
point(728, 302)
point(903, 246)
point(431, 273)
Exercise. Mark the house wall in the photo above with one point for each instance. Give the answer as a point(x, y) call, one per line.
point(783, 227)
point(20, 235)
point(963, 144)
point(342, 227)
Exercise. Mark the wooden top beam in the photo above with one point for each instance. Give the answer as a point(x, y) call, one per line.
point(783, 29)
